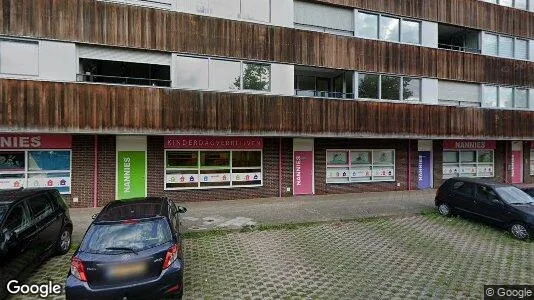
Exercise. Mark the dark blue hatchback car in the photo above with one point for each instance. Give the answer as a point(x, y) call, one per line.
point(132, 250)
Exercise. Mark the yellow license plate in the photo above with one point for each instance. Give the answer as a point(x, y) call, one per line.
point(128, 270)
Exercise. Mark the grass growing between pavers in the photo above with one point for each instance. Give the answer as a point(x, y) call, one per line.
point(412, 257)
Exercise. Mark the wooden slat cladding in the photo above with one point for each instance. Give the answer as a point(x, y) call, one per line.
point(77, 107)
point(469, 13)
point(95, 22)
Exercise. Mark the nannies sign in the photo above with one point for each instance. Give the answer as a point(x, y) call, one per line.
point(35, 141)
point(471, 145)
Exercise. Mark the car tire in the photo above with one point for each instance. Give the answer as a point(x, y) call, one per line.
point(64, 241)
point(519, 231)
point(444, 209)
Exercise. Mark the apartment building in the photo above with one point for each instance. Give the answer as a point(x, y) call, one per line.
point(232, 99)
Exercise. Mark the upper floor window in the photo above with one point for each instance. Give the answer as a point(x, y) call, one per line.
point(458, 93)
point(505, 97)
point(163, 4)
point(519, 4)
point(223, 75)
point(388, 28)
point(256, 10)
point(19, 57)
point(505, 46)
point(389, 87)
point(122, 72)
point(324, 18)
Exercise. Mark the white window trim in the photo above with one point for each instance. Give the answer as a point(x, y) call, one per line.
point(371, 165)
point(476, 163)
point(198, 169)
point(26, 172)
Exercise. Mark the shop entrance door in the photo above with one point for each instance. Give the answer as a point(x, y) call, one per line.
point(303, 167)
point(424, 165)
point(517, 162)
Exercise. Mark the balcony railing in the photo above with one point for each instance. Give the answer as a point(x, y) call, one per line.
point(459, 48)
point(324, 94)
point(122, 80)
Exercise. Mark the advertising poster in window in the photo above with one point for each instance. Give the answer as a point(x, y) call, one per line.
point(337, 158)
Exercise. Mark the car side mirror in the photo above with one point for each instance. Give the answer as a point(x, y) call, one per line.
point(182, 210)
point(8, 236)
point(94, 216)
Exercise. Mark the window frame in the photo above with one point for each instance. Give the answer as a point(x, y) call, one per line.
point(379, 23)
point(199, 168)
point(514, 46)
point(241, 72)
point(401, 87)
point(350, 167)
point(26, 172)
point(459, 164)
point(498, 96)
point(239, 13)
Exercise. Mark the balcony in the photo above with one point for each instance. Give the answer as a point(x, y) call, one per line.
point(458, 38)
point(119, 72)
point(323, 83)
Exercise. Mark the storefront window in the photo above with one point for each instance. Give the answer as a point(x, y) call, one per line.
point(345, 166)
point(42, 168)
point(532, 162)
point(468, 163)
point(193, 169)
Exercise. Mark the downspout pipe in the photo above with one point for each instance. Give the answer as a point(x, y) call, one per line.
point(280, 168)
point(409, 165)
point(95, 173)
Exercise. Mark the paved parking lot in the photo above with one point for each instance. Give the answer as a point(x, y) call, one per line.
point(423, 256)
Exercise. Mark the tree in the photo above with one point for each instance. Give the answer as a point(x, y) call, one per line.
point(255, 77)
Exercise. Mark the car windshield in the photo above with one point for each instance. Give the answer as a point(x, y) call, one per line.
point(131, 235)
point(513, 195)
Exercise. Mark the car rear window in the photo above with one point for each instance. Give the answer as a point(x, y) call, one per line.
point(133, 234)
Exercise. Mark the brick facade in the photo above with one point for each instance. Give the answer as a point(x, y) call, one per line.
point(270, 188)
point(83, 168)
point(401, 165)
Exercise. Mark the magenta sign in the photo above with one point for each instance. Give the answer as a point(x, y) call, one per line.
point(517, 167)
point(213, 142)
point(303, 173)
point(35, 141)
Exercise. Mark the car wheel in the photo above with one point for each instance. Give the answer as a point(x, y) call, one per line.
point(519, 231)
point(64, 242)
point(445, 210)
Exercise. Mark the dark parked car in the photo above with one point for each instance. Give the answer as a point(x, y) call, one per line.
point(500, 204)
point(132, 250)
point(529, 191)
point(34, 224)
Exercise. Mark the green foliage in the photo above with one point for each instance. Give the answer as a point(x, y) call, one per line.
point(255, 77)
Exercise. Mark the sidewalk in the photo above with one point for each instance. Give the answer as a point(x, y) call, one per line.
point(234, 214)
